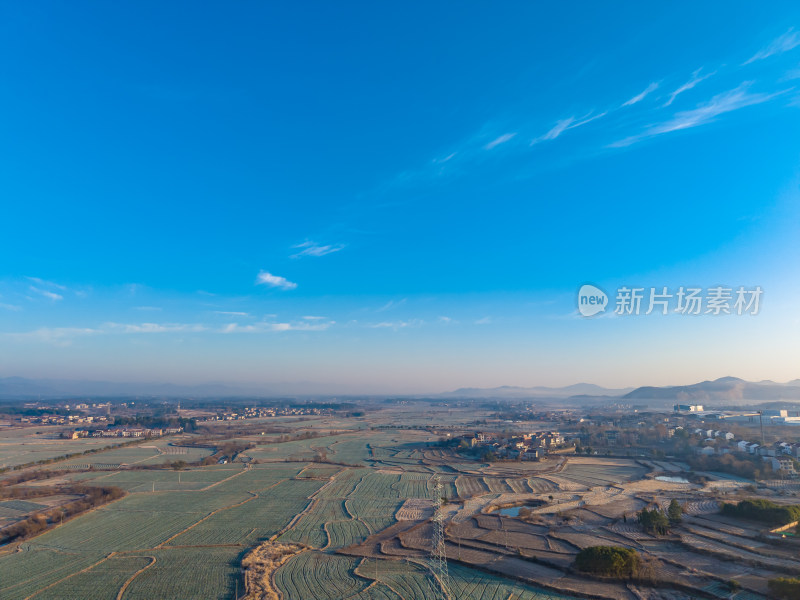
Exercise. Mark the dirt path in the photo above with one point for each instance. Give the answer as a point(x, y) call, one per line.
point(92, 566)
point(134, 576)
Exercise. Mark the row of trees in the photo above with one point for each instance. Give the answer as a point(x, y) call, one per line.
point(763, 510)
point(91, 497)
point(609, 561)
point(785, 588)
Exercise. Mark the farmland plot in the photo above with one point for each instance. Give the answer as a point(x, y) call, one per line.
point(412, 581)
point(353, 451)
point(146, 481)
point(23, 573)
point(310, 528)
point(378, 485)
point(345, 533)
point(344, 483)
point(468, 486)
point(254, 519)
point(187, 573)
point(413, 485)
point(590, 472)
point(470, 584)
point(126, 455)
point(101, 582)
point(319, 576)
point(105, 531)
point(497, 485)
point(376, 513)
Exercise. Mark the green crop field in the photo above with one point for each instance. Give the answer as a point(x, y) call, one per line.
point(208, 573)
point(320, 576)
point(101, 582)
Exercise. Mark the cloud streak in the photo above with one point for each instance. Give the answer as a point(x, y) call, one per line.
point(696, 78)
point(499, 140)
point(44, 282)
point(276, 281)
point(47, 294)
point(642, 95)
point(309, 248)
point(720, 104)
point(788, 41)
point(565, 125)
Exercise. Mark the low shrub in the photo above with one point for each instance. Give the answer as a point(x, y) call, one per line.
point(609, 561)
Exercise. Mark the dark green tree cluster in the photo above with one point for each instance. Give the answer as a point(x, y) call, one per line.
point(762, 510)
point(785, 588)
point(675, 512)
point(609, 561)
point(654, 521)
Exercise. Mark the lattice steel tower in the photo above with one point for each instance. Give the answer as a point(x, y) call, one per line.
point(438, 550)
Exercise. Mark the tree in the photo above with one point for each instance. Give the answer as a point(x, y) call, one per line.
point(674, 512)
point(785, 588)
point(611, 561)
point(653, 521)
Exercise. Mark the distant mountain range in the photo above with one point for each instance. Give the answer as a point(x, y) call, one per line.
point(506, 391)
point(727, 390)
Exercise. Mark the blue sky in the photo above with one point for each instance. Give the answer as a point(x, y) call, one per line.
point(386, 198)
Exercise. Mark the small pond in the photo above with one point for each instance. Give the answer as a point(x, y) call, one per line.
point(671, 479)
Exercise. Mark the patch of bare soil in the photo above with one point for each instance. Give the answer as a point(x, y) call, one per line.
point(259, 566)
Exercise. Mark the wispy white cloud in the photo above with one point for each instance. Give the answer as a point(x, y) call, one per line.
point(642, 95)
point(447, 158)
point(500, 140)
point(231, 313)
point(391, 304)
point(270, 327)
point(47, 294)
point(152, 328)
point(313, 318)
point(58, 336)
point(720, 104)
point(44, 282)
point(565, 125)
point(266, 278)
point(695, 79)
point(788, 41)
point(396, 324)
point(484, 321)
point(309, 248)
point(13, 307)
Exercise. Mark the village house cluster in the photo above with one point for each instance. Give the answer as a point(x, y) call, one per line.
point(256, 413)
point(528, 446)
point(780, 455)
point(126, 432)
point(64, 420)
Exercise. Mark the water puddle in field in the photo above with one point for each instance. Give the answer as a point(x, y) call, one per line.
point(513, 511)
point(670, 479)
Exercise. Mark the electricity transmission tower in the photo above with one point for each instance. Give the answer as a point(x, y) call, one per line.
point(438, 551)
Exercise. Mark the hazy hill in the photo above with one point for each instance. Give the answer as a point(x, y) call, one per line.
point(724, 389)
point(577, 389)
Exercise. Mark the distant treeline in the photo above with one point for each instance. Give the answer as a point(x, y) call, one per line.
point(762, 510)
point(155, 421)
point(749, 467)
point(38, 522)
